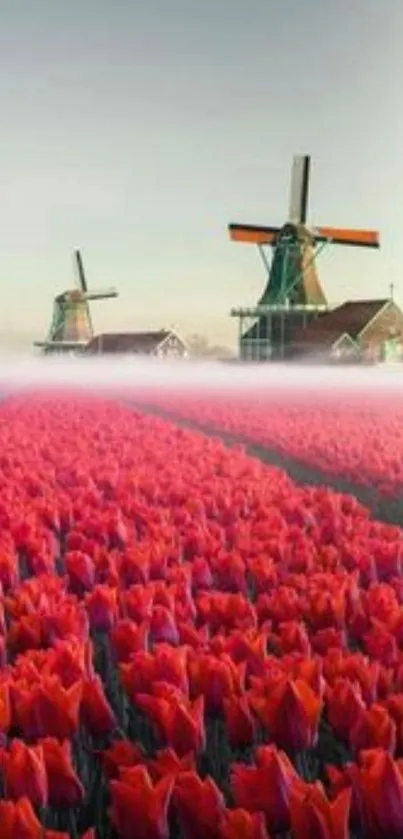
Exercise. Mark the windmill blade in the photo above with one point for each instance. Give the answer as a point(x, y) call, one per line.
point(299, 189)
point(61, 345)
point(105, 294)
point(81, 275)
point(355, 238)
point(253, 234)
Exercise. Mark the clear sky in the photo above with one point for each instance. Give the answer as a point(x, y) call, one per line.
point(137, 131)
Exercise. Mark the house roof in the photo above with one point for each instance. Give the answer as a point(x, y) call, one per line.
point(139, 342)
point(351, 318)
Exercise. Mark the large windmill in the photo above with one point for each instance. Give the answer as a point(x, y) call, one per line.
point(293, 295)
point(71, 327)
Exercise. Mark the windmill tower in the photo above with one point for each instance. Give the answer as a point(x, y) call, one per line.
point(293, 295)
point(71, 327)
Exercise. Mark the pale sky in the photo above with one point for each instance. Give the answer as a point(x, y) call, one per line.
point(137, 130)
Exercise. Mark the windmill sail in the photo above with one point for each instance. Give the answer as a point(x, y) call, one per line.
point(299, 189)
point(81, 275)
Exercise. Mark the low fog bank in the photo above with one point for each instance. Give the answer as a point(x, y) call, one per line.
point(126, 373)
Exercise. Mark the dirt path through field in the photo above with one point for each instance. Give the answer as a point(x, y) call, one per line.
point(388, 510)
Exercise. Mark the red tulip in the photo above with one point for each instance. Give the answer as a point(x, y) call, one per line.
point(102, 607)
point(216, 679)
point(137, 603)
point(25, 634)
point(394, 705)
point(122, 754)
point(312, 814)
point(265, 787)
point(48, 709)
point(24, 771)
point(325, 639)
point(293, 637)
point(291, 713)
point(381, 645)
point(164, 664)
point(344, 705)
point(64, 786)
point(142, 805)
point(96, 711)
point(80, 570)
point(358, 668)
point(240, 724)
point(18, 821)
point(200, 806)
point(5, 707)
point(134, 568)
point(240, 824)
point(179, 722)
point(374, 728)
point(163, 626)
point(127, 638)
point(349, 777)
point(70, 621)
point(381, 781)
point(167, 762)
point(249, 647)
point(202, 577)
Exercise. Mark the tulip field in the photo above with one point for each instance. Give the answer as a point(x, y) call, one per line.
point(358, 437)
point(192, 645)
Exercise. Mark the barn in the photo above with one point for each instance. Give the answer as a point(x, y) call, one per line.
point(163, 343)
point(356, 331)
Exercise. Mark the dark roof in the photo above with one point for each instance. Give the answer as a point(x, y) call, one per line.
point(142, 343)
point(351, 318)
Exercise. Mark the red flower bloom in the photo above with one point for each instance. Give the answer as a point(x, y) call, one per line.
point(121, 755)
point(65, 788)
point(291, 713)
point(249, 647)
point(381, 781)
point(24, 773)
point(96, 711)
point(25, 634)
point(163, 626)
point(216, 679)
point(265, 787)
point(293, 637)
point(240, 724)
point(5, 707)
point(137, 603)
point(312, 814)
point(240, 824)
point(18, 821)
point(349, 777)
point(167, 762)
point(102, 607)
point(80, 570)
point(164, 664)
point(180, 723)
point(374, 728)
point(141, 804)
point(200, 806)
point(344, 705)
point(128, 638)
point(48, 709)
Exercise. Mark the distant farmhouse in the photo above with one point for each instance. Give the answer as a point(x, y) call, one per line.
point(163, 343)
point(362, 330)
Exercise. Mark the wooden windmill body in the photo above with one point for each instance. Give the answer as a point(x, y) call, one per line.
point(293, 295)
point(71, 328)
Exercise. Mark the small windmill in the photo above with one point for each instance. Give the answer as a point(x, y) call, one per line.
point(293, 294)
point(71, 327)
